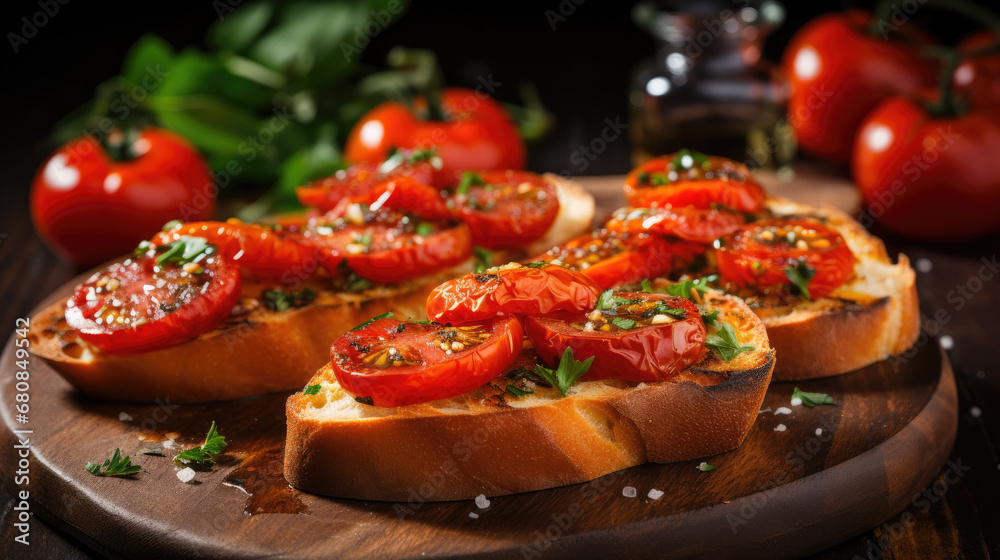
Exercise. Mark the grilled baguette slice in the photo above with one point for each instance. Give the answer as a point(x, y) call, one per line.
point(873, 316)
point(490, 442)
point(256, 350)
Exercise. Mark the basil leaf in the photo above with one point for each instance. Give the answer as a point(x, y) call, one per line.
point(311, 389)
point(811, 400)
point(568, 371)
point(386, 315)
point(800, 275)
point(725, 345)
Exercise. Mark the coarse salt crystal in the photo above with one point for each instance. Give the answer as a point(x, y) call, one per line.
point(947, 342)
point(976, 412)
point(768, 409)
point(124, 417)
point(629, 492)
point(473, 515)
point(186, 474)
point(819, 431)
point(796, 401)
point(482, 502)
point(779, 428)
point(924, 265)
point(782, 410)
point(655, 494)
point(169, 444)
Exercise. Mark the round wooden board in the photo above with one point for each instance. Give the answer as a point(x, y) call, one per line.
point(781, 494)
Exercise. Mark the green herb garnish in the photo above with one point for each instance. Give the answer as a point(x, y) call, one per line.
point(681, 161)
point(567, 372)
point(484, 259)
point(142, 248)
point(153, 453)
point(279, 300)
point(423, 229)
point(171, 225)
point(705, 467)
point(185, 250)
point(537, 264)
point(623, 323)
point(683, 289)
point(469, 179)
point(709, 318)
point(356, 283)
point(518, 392)
point(206, 452)
point(115, 466)
point(386, 315)
point(647, 287)
point(811, 400)
point(311, 390)
point(608, 301)
point(725, 344)
point(800, 275)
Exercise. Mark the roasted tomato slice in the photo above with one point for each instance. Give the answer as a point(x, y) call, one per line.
point(505, 209)
point(389, 363)
point(358, 180)
point(770, 253)
point(264, 252)
point(388, 246)
point(634, 336)
point(689, 178)
point(691, 224)
point(406, 194)
point(615, 258)
point(536, 289)
point(159, 298)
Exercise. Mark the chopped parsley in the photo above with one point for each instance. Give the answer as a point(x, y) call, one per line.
point(311, 389)
point(115, 466)
point(608, 301)
point(686, 159)
point(469, 179)
point(709, 318)
point(356, 283)
point(811, 400)
point(537, 264)
point(725, 344)
point(800, 275)
point(280, 300)
point(484, 259)
point(423, 229)
point(567, 372)
point(185, 250)
point(623, 323)
point(386, 315)
point(683, 289)
point(206, 452)
point(518, 392)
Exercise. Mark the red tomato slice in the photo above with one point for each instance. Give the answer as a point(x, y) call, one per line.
point(262, 251)
point(139, 305)
point(423, 166)
point(689, 178)
point(388, 246)
point(505, 209)
point(641, 337)
point(691, 224)
point(760, 255)
point(406, 194)
point(396, 364)
point(613, 258)
point(511, 290)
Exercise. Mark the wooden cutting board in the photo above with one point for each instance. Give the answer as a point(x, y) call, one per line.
point(800, 482)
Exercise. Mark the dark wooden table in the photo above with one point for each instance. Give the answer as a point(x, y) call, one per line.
point(960, 301)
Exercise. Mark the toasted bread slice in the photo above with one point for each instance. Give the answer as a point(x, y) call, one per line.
point(491, 442)
point(256, 350)
point(873, 316)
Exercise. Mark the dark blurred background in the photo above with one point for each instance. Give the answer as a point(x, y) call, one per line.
point(581, 68)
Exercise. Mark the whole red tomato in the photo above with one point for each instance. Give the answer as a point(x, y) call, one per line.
point(477, 133)
point(979, 78)
point(929, 178)
point(90, 208)
point(838, 73)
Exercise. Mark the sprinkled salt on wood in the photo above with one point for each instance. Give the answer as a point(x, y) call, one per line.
point(482, 502)
point(925, 265)
point(186, 474)
point(124, 417)
point(768, 409)
point(976, 412)
point(473, 515)
point(796, 401)
point(655, 494)
point(782, 410)
point(819, 431)
point(629, 492)
point(780, 428)
point(947, 342)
